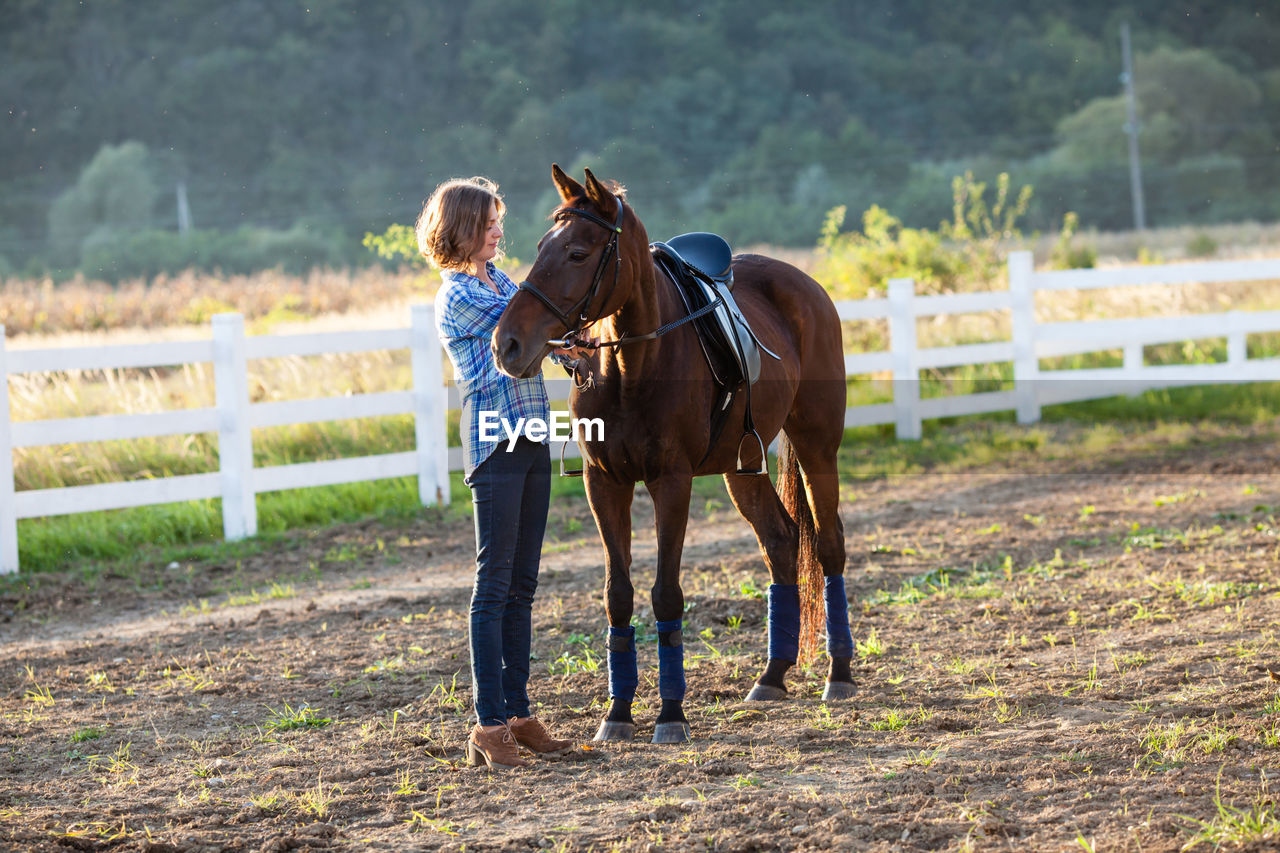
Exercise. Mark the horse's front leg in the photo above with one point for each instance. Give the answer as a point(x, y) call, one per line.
point(671, 511)
point(611, 505)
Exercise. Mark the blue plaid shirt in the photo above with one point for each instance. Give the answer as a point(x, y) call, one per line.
point(467, 311)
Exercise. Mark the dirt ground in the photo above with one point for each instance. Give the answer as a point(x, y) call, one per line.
point(1061, 656)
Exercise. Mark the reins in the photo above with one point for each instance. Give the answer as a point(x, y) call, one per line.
point(573, 332)
point(571, 339)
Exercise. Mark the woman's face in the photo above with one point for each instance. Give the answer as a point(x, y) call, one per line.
point(489, 242)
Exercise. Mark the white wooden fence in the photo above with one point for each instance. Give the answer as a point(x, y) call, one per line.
point(237, 481)
point(1032, 341)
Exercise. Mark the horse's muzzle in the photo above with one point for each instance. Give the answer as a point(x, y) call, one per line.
point(514, 359)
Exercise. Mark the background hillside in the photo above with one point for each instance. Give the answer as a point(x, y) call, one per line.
point(295, 128)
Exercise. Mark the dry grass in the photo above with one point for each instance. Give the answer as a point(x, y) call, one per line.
point(1158, 245)
point(36, 313)
point(71, 394)
point(81, 313)
point(1155, 300)
point(39, 308)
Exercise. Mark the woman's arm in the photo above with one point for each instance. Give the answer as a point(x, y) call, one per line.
point(464, 317)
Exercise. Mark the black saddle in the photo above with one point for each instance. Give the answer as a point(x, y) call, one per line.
point(708, 253)
point(700, 264)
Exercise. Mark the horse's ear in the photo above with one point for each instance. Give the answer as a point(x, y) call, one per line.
point(597, 192)
point(568, 188)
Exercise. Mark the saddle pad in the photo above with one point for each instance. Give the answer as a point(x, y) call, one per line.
point(727, 341)
point(731, 324)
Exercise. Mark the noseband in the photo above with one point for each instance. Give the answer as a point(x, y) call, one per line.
point(574, 328)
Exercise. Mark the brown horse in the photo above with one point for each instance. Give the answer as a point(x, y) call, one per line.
point(594, 276)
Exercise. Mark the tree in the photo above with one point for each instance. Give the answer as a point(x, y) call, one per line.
point(115, 194)
point(1190, 104)
point(1199, 104)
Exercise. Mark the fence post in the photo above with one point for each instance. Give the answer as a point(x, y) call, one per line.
point(1131, 368)
point(235, 433)
point(8, 506)
point(430, 403)
point(1237, 341)
point(1026, 367)
point(902, 344)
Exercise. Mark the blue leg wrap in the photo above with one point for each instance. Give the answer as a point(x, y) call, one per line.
point(671, 683)
point(839, 640)
point(623, 677)
point(784, 621)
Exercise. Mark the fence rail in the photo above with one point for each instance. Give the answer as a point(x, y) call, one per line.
point(237, 482)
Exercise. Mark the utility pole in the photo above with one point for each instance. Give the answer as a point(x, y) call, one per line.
point(184, 209)
point(1131, 128)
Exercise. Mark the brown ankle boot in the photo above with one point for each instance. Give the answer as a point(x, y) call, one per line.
point(496, 749)
point(533, 735)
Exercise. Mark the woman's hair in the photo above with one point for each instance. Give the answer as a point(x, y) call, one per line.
point(453, 222)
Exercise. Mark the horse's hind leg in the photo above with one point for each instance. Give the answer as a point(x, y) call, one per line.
point(755, 498)
point(815, 443)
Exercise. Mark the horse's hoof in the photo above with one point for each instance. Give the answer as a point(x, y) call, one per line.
point(836, 690)
point(765, 693)
point(671, 733)
point(610, 730)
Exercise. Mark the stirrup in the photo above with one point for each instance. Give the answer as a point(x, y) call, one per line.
point(764, 459)
point(563, 471)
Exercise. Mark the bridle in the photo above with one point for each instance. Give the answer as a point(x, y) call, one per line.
point(574, 328)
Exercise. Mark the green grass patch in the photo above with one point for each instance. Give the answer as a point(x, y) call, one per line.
point(1234, 826)
point(956, 581)
point(1084, 360)
point(1251, 403)
point(1262, 345)
point(1159, 421)
point(289, 719)
point(966, 379)
point(1202, 351)
point(192, 530)
point(87, 734)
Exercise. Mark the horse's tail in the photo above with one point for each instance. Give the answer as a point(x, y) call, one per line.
point(794, 496)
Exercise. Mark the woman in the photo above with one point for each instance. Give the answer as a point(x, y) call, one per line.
point(459, 231)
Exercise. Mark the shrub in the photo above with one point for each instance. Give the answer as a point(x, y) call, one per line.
point(977, 232)
point(965, 253)
point(146, 254)
point(115, 194)
point(295, 250)
point(398, 244)
point(850, 265)
point(1201, 245)
point(1066, 256)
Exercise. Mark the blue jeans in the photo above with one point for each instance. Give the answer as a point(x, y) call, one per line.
point(511, 493)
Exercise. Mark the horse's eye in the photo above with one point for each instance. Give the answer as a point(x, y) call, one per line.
point(577, 256)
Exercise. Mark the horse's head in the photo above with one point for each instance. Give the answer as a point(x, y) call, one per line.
point(582, 272)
